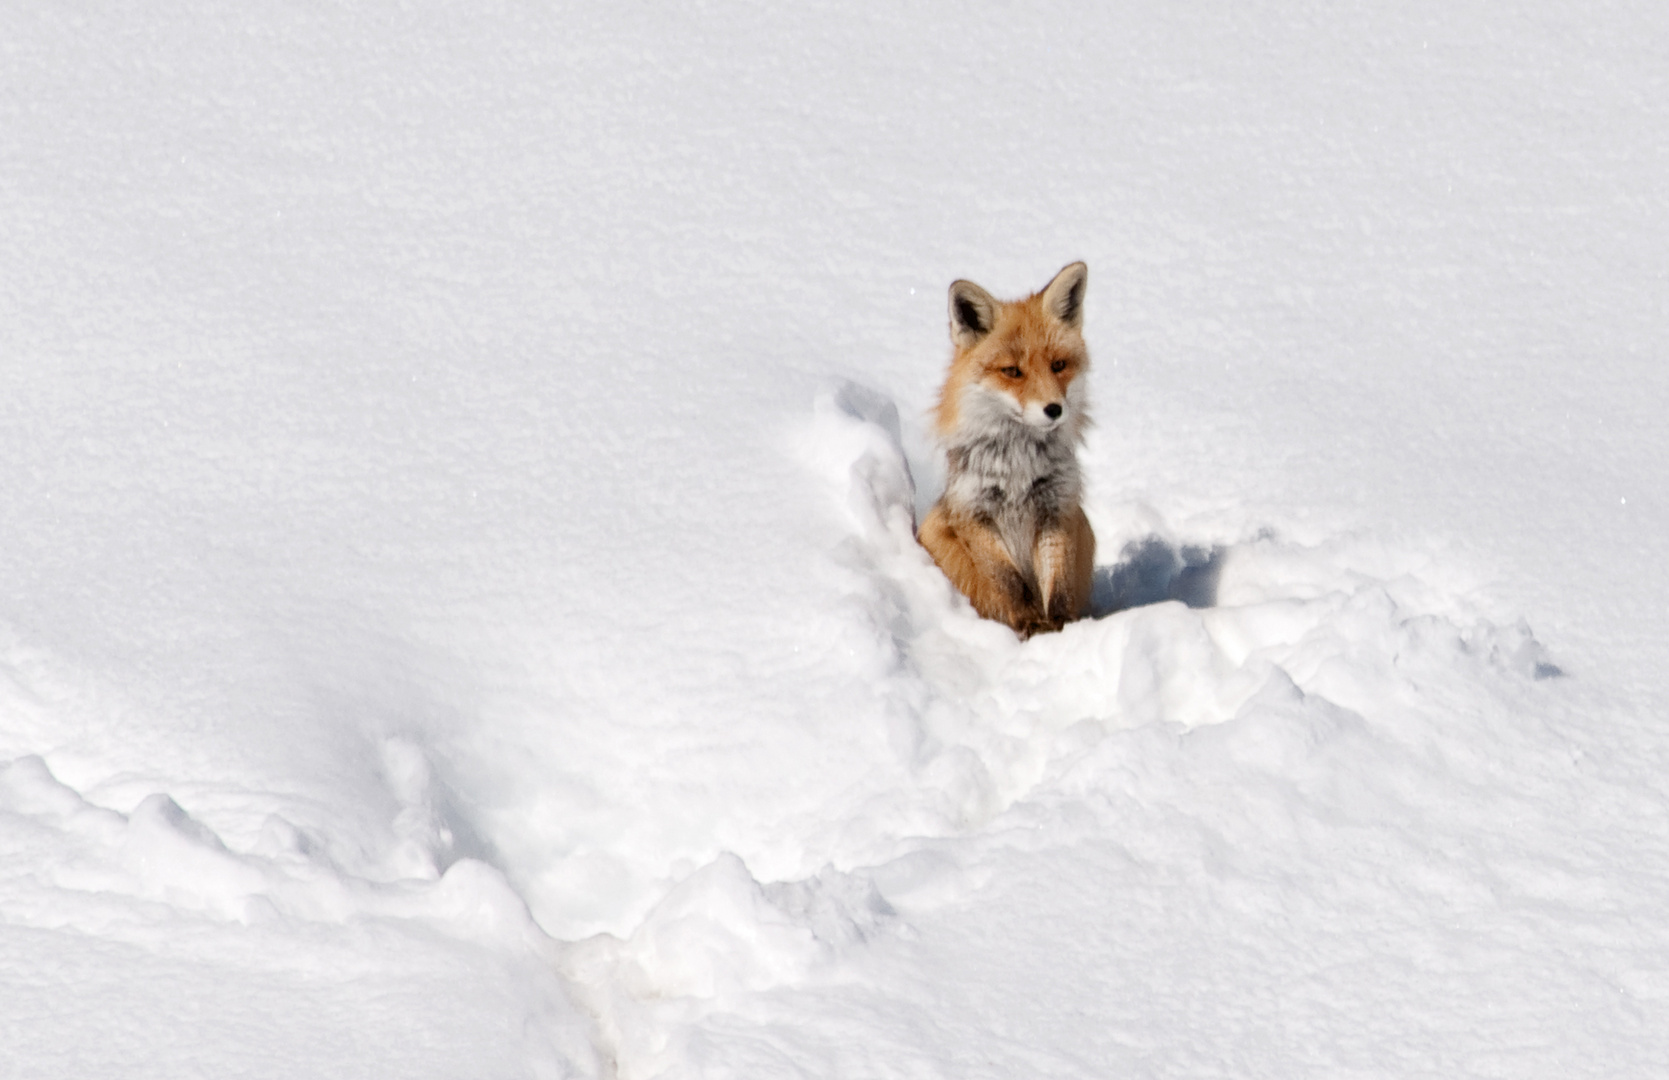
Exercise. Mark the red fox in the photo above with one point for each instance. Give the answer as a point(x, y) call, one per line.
point(1009, 531)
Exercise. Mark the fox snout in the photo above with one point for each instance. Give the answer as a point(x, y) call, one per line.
point(1043, 416)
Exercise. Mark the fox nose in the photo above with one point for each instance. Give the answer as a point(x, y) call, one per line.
point(1052, 410)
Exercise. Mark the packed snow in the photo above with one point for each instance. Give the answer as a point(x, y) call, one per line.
point(459, 607)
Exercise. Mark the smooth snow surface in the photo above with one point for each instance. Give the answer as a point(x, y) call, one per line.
point(459, 614)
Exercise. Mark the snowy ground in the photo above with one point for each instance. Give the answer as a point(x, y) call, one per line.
point(458, 608)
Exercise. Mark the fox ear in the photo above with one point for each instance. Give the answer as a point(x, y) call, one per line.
point(973, 312)
point(1064, 297)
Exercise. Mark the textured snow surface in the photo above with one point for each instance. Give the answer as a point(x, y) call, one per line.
point(459, 614)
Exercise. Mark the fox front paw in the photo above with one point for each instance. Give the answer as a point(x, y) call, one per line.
point(1038, 624)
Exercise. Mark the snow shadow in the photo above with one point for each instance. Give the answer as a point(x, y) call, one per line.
point(1152, 570)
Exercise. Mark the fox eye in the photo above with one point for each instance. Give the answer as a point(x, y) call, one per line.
point(1058, 366)
point(1012, 372)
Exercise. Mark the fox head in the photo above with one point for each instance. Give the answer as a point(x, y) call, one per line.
point(1017, 363)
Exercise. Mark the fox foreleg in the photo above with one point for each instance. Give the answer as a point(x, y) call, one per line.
point(973, 556)
point(1064, 557)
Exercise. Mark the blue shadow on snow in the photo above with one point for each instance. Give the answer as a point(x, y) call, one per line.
point(1151, 571)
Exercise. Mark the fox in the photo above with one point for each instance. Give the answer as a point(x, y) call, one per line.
point(1010, 531)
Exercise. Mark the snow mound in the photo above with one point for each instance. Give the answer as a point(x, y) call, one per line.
point(1188, 630)
point(162, 893)
point(1240, 714)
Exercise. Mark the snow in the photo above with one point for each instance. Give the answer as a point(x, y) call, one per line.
point(458, 607)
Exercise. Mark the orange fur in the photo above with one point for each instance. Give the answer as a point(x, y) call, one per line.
point(1010, 532)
